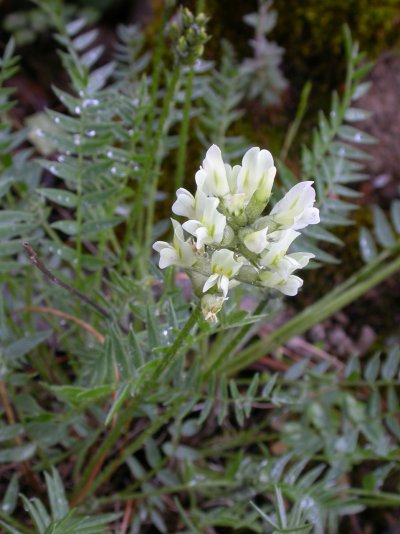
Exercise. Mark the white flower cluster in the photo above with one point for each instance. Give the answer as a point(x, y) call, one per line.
point(230, 241)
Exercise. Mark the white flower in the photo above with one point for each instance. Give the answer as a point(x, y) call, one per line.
point(296, 210)
point(279, 242)
point(288, 286)
point(184, 204)
point(208, 224)
point(180, 253)
point(235, 186)
point(257, 241)
point(226, 212)
point(257, 174)
point(286, 265)
point(223, 267)
point(211, 178)
point(300, 259)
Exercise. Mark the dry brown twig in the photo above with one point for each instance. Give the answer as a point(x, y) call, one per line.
point(37, 262)
point(68, 317)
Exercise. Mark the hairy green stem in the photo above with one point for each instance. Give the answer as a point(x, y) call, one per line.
point(184, 131)
point(234, 342)
point(137, 213)
point(334, 301)
point(155, 79)
point(114, 434)
point(375, 498)
point(169, 490)
point(153, 168)
point(108, 443)
point(295, 125)
point(130, 449)
point(169, 358)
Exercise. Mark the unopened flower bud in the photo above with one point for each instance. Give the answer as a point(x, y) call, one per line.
point(190, 38)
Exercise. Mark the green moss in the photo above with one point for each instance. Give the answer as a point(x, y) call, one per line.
point(311, 33)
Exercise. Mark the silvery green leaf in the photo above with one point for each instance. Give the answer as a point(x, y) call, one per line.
point(59, 196)
point(346, 191)
point(68, 227)
point(354, 135)
point(66, 170)
point(8, 248)
point(361, 90)
point(84, 40)
point(122, 394)
point(335, 205)
point(8, 217)
point(319, 233)
point(382, 229)
point(324, 127)
point(393, 424)
point(11, 230)
point(395, 214)
point(152, 453)
point(75, 26)
point(55, 490)
point(392, 399)
point(37, 512)
point(94, 227)
point(334, 219)
point(353, 368)
point(19, 348)
point(135, 350)
point(367, 245)
point(297, 370)
point(11, 495)
point(357, 114)
point(180, 452)
point(280, 508)
point(99, 77)
point(91, 57)
point(269, 386)
point(19, 453)
point(391, 363)
point(343, 150)
point(10, 432)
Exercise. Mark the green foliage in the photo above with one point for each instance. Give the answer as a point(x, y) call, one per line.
point(61, 519)
point(264, 79)
point(19, 177)
point(127, 400)
point(386, 233)
point(315, 39)
point(332, 162)
point(222, 94)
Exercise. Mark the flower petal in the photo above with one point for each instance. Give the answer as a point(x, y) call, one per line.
point(216, 182)
point(295, 209)
point(184, 204)
point(223, 262)
point(256, 241)
point(168, 256)
point(210, 282)
point(159, 245)
point(223, 284)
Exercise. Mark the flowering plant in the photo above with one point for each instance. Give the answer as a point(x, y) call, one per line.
point(229, 240)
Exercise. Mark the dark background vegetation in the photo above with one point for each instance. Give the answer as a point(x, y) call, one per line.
point(310, 33)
